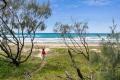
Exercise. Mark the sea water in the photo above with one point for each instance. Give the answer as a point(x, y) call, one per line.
point(58, 38)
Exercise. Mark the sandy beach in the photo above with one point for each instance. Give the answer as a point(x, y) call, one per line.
point(49, 46)
point(60, 45)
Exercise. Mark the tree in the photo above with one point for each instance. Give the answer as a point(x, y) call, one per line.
point(4, 4)
point(74, 34)
point(19, 20)
point(108, 60)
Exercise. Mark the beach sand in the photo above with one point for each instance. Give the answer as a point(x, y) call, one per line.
point(48, 46)
point(59, 45)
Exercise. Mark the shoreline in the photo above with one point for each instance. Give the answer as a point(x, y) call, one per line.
point(59, 45)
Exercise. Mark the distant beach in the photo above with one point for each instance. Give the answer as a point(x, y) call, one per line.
point(54, 45)
point(52, 40)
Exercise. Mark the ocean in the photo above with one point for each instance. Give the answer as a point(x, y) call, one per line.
point(57, 38)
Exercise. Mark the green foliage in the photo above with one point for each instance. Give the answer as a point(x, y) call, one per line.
point(108, 60)
point(94, 58)
point(55, 66)
point(21, 16)
point(29, 13)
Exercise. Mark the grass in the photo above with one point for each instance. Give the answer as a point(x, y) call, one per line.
point(57, 62)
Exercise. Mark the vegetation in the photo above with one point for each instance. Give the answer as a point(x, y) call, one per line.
point(3, 4)
point(79, 43)
point(108, 61)
point(105, 64)
point(57, 62)
point(21, 19)
point(18, 21)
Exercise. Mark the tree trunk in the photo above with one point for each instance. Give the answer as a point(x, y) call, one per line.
point(15, 62)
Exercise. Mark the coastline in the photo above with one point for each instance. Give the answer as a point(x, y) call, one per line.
point(58, 45)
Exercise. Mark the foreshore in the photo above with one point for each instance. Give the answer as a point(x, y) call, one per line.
point(59, 45)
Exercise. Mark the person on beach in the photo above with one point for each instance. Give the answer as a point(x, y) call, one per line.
point(43, 53)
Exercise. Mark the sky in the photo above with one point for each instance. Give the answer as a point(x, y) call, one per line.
point(97, 13)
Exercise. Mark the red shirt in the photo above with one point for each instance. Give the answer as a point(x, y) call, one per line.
point(43, 52)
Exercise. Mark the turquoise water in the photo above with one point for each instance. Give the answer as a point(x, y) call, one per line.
point(57, 38)
point(58, 35)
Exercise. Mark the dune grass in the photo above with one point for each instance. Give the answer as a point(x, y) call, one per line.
point(56, 63)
